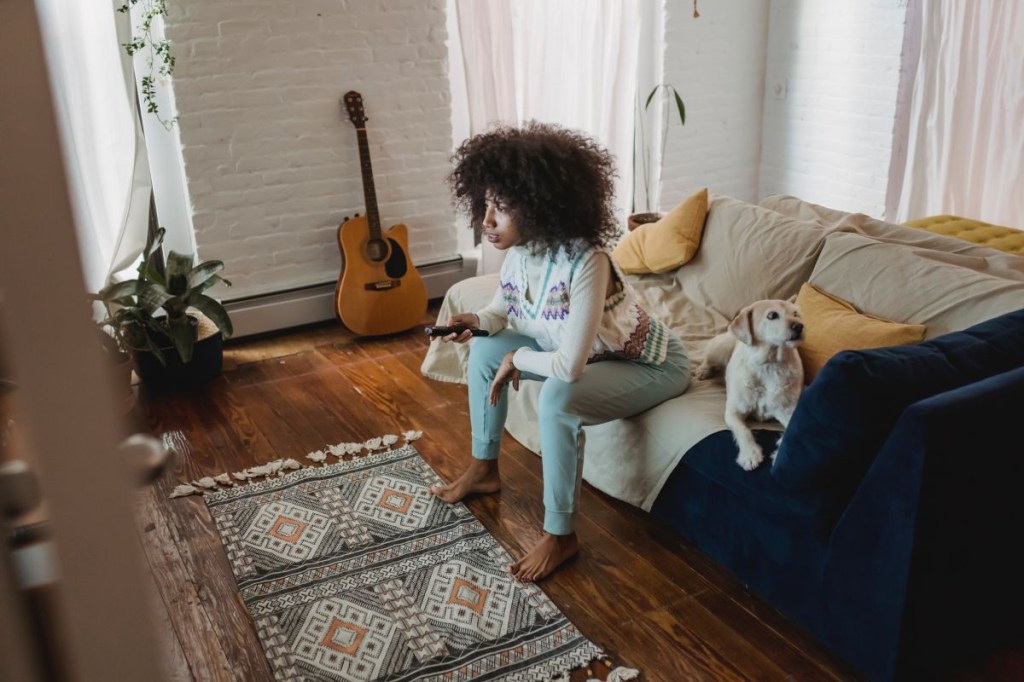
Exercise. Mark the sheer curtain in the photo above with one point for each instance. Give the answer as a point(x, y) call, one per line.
point(965, 146)
point(572, 62)
point(104, 155)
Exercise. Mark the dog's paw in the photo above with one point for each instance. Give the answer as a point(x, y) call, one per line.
point(750, 459)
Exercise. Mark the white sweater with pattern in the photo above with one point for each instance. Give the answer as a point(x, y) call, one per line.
point(536, 294)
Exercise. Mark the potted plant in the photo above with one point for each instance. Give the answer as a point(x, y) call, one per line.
point(647, 212)
point(172, 328)
point(119, 360)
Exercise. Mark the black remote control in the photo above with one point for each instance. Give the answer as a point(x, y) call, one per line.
point(457, 329)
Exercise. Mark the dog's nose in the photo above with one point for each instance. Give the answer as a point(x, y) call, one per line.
point(797, 327)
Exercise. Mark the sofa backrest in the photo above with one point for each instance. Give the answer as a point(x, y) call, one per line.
point(946, 292)
point(748, 253)
point(992, 261)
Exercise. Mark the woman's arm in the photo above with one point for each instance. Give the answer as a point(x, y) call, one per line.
point(586, 305)
point(493, 318)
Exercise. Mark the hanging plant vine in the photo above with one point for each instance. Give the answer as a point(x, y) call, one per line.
point(160, 61)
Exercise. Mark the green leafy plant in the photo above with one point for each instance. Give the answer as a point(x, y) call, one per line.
point(643, 164)
point(159, 60)
point(173, 287)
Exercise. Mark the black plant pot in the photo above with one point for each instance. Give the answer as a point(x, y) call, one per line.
point(206, 364)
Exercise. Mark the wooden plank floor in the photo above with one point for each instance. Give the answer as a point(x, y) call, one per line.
point(637, 589)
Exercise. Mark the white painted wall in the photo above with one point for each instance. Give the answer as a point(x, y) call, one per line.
point(270, 156)
point(788, 96)
point(831, 85)
point(716, 62)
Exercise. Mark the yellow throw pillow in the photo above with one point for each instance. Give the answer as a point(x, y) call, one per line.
point(668, 243)
point(832, 325)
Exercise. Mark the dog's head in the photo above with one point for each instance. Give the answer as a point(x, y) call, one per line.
point(771, 322)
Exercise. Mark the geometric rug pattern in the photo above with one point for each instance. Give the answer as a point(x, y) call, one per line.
point(354, 572)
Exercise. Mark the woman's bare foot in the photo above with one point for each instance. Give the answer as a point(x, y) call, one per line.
point(547, 555)
point(481, 477)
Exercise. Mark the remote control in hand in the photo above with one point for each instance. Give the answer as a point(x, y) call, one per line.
point(456, 329)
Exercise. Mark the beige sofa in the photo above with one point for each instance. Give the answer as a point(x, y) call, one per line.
point(750, 252)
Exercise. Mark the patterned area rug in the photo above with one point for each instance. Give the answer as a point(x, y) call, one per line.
point(354, 571)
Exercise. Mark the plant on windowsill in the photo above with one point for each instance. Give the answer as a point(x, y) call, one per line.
point(166, 321)
point(645, 212)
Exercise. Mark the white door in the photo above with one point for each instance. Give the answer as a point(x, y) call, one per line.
point(64, 398)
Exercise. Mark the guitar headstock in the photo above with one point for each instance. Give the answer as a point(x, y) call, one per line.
point(353, 102)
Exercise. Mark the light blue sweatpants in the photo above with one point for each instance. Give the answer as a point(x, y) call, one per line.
point(607, 390)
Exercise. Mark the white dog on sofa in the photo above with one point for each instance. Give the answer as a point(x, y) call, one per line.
point(763, 371)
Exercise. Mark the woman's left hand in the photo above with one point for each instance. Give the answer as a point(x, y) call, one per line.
point(506, 372)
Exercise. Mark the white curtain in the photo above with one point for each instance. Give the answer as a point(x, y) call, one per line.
point(104, 156)
point(965, 147)
point(571, 62)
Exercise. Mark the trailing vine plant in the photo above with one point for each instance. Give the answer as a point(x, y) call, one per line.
point(160, 61)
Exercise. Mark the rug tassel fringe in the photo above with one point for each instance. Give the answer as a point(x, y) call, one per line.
point(622, 674)
point(281, 466)
point(615, 673)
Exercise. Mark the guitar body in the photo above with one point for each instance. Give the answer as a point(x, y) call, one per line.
point(379, 291)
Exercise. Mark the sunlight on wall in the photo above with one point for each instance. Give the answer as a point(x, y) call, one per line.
point(831, 83)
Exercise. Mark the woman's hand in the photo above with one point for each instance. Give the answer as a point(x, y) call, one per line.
point(469, 320)
point(506, 372)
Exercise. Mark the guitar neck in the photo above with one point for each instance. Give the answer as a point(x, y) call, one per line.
point(369, 191)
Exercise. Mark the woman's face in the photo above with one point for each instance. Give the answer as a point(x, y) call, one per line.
point(499, 224)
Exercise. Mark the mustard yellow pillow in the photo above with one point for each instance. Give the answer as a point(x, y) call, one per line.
point(832, 325)
point(668, 243)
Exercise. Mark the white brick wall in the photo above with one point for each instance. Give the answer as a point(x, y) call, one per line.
point(831, 83)
point(716, 63)
point(271, 157)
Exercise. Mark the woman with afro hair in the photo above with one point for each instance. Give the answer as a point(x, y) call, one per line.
point(563, 314)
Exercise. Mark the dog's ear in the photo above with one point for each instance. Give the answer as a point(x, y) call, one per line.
point(742, 327)
point(792, 299)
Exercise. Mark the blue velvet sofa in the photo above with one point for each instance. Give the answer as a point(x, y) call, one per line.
point(905, 560)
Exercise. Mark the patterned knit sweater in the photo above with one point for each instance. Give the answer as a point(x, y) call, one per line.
point(538, 292)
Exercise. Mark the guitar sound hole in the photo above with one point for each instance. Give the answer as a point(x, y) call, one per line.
point(376, 250)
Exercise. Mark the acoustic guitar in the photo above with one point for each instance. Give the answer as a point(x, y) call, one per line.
point(379, 291)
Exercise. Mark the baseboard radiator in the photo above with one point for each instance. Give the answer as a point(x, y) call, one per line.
point(307, 305)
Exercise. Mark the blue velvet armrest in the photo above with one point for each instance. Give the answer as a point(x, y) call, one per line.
point(920, 572)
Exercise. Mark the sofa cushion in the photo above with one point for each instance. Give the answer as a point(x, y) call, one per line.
point(942, 291)
point(748, 253)
point(832, 325)
point(667, 243)
point(844, 416)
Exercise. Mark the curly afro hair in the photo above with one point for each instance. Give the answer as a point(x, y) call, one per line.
point(556, 183)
